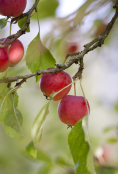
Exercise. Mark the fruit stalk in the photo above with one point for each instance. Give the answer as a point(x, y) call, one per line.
point(86, 127)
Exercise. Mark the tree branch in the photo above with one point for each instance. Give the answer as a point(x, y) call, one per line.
point(75, 57)
point(22, 31)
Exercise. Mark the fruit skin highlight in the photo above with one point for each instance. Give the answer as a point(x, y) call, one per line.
point(4, 60)
point(72, 108)
point(12, 7)
point(15, 52)
point(55, 82)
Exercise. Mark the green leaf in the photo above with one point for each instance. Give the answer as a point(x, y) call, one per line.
point(79, 148)
point(43, 156)
point(38, 57)
point(31, 149)
point(46, 9)
point(3, 23)
point(116, 107)
point(21, 23)
point(10, 116)
point(108, 128)
point(45, 169)
point(105, 170)
point(3, 106)
point(37, 153)
point(62, 161)
point(112, 140)
point(38, 124)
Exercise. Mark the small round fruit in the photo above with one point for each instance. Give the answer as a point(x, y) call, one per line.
point(4, 60)
point(15, 52)
point(73, 48)
point(12, 7)
point(72, 108)
point(54, 82)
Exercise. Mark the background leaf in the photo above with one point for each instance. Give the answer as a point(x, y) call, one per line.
point(10, 116)
point(79, 148)
point(38, 57)
point(112, 140)
point(105, 170)
point(38, 123)
point(21, 23)
point(46, 9)
point(3, 23)
point(45, 169)
point(108, 129)
point(3, 109)
point(31, 149)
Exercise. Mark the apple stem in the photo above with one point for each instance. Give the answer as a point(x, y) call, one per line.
point(64, 88)
point(10, 28)
point(5, 74)
point(94, 172)
point(74, 88)
point(38, 21)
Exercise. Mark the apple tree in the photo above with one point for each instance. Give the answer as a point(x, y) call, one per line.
point(50, 109)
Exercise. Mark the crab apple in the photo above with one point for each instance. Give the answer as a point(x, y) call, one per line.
point(4, 60)
point(12, 7)
point(72, 108)
point(73, 48)
point(54, 82)
point(15, 52)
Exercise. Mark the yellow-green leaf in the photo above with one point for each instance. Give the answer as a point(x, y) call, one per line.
point(38, 57)
point(21, 23)
point(3, 23)
point(79, 148)
point(38, 124)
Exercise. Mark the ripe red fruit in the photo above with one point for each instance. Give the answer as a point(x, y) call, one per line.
point(12, 7)
point(16, 52)
point(73, 48)
point(55, 82)
point(4, 60)
point(72, 108)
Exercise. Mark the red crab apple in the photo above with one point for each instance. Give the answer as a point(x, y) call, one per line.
point(12, 7)
point(4, 60)
point(73, 48)
point(72, 108)
point(55, 82)
point(15, 52)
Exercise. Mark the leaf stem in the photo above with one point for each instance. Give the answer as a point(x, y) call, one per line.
point(64, 88)
point(74, 88)
point(94, 172)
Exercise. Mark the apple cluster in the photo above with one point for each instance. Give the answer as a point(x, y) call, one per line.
point(10, 55)
point(71, 108)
